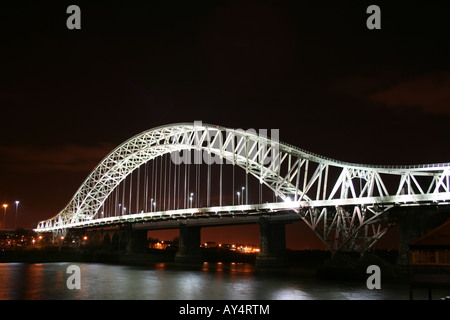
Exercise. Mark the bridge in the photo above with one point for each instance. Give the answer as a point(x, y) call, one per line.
point(191, 175)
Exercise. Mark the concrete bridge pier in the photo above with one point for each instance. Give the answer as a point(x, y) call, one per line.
point(272, 242)
point(137, 241)
point(189, 245)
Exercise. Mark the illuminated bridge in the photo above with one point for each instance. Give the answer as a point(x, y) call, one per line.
point(190, 175)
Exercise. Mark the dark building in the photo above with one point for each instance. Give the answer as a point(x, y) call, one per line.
point(430, 259)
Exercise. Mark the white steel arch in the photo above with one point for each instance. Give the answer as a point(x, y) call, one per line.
point(309, 183)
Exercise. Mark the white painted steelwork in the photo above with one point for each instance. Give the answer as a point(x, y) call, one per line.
point(338, 200)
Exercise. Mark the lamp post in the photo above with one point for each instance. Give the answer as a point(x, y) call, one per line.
point(4, 215)
point(243, 188)
point(17, 209)
point(238, 194)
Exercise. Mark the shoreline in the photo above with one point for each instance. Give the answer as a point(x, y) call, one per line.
point(308, 258)
point(308, 262)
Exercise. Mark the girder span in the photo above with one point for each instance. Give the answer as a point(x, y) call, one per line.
point(302, 178)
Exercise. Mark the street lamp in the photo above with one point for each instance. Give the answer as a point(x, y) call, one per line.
point(17, 208)
point(243, 188)
point(238, 194)
point(4, 215)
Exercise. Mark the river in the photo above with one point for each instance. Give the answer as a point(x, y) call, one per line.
point(165, 281)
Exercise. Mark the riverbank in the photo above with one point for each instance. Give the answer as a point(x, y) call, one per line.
point(347, 266)
point(54, 255)
point(307, 258)
point(342, 266)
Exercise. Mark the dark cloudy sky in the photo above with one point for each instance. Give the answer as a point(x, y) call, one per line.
point(312, 70)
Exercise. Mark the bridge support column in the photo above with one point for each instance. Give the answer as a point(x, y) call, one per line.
point(189, 245)
point(137, 241)
point(272, 242)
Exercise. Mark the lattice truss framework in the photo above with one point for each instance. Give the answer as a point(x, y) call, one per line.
point(344, 203)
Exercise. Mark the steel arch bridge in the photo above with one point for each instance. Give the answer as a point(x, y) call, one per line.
point(344, 203)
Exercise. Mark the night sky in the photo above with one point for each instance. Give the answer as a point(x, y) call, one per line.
point(311, 69)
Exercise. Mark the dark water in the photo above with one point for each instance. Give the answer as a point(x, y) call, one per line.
point(234, 281)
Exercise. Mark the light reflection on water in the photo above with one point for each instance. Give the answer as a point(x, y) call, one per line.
point(161, 281)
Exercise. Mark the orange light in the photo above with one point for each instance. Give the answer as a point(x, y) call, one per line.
point(5, 205)
point(85, 238)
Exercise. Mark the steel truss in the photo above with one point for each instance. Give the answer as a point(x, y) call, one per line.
point(340, 201)
point(353, 228)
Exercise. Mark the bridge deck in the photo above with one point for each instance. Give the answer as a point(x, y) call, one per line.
point(210, 216)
